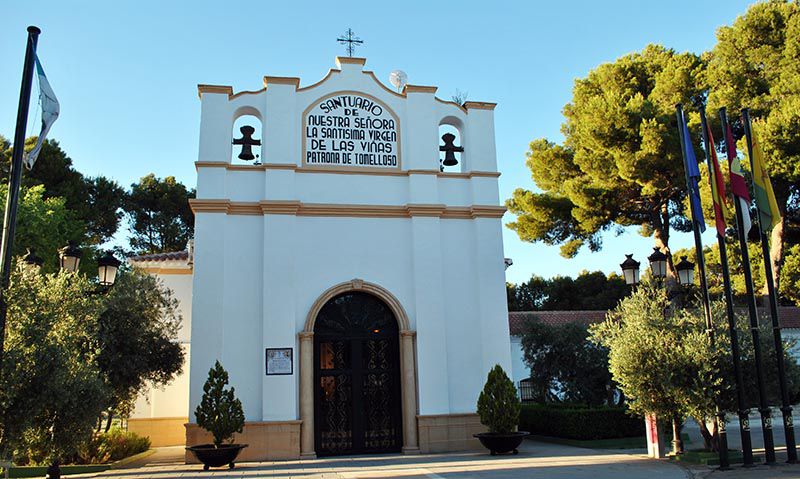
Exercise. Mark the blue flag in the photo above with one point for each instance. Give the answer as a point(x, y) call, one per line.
point(693, 171)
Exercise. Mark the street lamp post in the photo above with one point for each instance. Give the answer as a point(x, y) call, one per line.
point(658, 269)
point(69, 259)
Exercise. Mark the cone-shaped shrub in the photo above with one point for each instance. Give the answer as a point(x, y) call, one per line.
point(498, 405)
point(219, 412)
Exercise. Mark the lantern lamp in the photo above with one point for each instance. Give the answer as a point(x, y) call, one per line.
point(70, 257)
point(630, 270)
point(685, 271)
point(107, 267)
point(658, 263)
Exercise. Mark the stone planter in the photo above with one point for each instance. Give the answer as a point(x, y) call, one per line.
point(212, 456)
point(498, 443)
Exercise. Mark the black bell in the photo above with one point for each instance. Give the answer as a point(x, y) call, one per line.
point(450, 149)
point(247, 141)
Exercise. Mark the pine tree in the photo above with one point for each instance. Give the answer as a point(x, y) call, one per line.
point(219, 412)
point(498, 405)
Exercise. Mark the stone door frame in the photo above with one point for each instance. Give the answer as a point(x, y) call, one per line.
point(408, 381)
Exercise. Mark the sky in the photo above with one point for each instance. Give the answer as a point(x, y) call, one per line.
point(126, 74)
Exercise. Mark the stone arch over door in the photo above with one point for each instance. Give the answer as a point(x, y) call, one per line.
point(408, 386)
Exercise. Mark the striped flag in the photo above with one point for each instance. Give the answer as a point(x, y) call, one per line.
point(768, 213)
point(738, 184)
point(50, 111)
point(693, 173)
point(718, 195)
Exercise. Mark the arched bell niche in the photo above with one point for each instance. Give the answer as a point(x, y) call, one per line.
point(451, 145)
point(246, 137)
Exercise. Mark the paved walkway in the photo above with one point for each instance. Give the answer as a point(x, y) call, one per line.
point(536, 460)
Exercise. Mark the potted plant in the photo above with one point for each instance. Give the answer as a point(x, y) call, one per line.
point(499, 407)
point(221, 414)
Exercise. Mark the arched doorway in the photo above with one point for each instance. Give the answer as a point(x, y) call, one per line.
point(357, 376)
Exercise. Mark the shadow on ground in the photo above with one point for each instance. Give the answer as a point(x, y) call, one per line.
point(536, 460)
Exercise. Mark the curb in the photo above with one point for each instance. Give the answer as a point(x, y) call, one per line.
point(124, 462)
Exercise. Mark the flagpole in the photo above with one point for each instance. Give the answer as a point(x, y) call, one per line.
point(786, 407)
point(15, 177)
point(766, 412)
point(722, 446)
point(744, 413)
point(726, 281)
point(698, 243)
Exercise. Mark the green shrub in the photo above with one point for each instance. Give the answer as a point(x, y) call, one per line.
point(219, 412)
point(579, 422)
point(498, 405)
point(112, 446)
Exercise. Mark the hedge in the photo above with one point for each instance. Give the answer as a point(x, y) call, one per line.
point(579, 422)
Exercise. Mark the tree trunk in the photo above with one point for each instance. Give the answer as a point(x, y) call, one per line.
point(710, 438)
point(661, 237)
point(110, 418)
point(677, 441)
point(776, 253)
point(783, 192)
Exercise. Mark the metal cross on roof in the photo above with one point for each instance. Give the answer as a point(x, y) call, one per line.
point(351, 40)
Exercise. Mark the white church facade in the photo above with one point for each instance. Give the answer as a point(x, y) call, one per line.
point(353, 288)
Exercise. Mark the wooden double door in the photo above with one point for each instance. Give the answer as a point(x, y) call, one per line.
point(357, 401)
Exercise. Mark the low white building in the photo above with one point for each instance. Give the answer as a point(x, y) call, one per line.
point(352, 286)
point(162, 412)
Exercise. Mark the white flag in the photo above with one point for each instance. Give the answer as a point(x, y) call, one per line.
point(50, 110)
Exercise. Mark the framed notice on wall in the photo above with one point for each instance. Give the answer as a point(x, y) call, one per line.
point(279, 361)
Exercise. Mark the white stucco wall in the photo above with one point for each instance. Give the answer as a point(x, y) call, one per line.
point(519, 369)
point(171, 400)
point(257, 275)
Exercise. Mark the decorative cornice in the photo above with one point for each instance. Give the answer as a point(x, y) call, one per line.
point(352, 211)
point(269, 80)
point(297, 208)
point(211, 164)
point(479, 105)
point(216, 89)
point(351, 61)
point(294, 81)
point(419, 89)
point(487, 211)
point(278, 207)
point(246, 92)
point(484, 174)
point(270, 166)
point(209, 206)
point(418, 209)
point(448, 102)
point(422, 172)
point(344, 171)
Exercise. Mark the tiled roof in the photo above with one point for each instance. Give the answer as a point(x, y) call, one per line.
point(789, 317)
point(172, 256)
point(553, 318)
